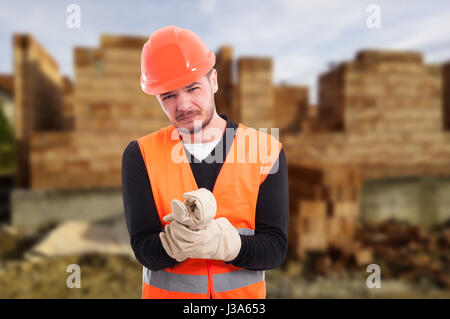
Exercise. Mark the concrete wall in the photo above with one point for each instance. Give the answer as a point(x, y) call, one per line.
point(421, 201)
point(37, 208)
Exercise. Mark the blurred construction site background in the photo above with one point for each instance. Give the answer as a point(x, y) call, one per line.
point(368, 159)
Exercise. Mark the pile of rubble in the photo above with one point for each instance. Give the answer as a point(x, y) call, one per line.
point(402, 251)
point(35, 265)
point(102, 276)
point(410, 252)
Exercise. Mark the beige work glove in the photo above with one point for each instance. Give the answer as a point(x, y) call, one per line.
point(196, 212)
point(219, 240)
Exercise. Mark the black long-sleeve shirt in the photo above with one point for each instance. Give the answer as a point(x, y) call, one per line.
point(265, 250)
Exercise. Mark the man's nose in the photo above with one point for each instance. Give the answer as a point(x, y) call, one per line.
point(183, 102)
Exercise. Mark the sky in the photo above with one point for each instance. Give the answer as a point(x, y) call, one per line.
point(302, 37)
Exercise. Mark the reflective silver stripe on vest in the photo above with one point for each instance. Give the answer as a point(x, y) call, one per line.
point(236, 279)
point(199, 283)
point(246, 231)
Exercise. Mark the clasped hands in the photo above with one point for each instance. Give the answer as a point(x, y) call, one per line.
point(194, 233)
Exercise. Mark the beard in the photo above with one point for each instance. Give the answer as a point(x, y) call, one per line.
point(196, 127)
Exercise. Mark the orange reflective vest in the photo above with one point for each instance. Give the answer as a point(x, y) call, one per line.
point(250, 159)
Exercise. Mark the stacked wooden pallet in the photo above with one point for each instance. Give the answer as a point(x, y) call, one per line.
point(324, 204)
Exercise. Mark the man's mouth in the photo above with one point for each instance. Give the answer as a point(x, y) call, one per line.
point(188, 118)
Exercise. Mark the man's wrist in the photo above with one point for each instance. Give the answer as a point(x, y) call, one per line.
point(241, 251)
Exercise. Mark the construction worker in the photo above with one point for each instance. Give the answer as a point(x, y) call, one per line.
point(227, 256)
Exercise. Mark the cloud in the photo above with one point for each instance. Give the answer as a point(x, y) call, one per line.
point(301, 36)
point(207, 7)
point(430, 35)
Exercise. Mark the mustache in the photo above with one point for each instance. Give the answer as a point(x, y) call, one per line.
point(184, 115)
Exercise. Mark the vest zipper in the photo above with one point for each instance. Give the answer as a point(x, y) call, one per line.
point(210, 280)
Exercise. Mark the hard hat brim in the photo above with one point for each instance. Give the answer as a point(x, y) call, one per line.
point(196, 73)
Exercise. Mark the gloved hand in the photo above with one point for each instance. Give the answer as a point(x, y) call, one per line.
point(218, 240)
point(196, 212)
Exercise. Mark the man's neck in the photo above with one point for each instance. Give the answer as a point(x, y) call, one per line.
point(213, 131)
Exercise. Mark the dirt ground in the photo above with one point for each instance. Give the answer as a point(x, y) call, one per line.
point(116, 276)
point(101, 277)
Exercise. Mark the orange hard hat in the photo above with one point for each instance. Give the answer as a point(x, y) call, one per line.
point(173, 57)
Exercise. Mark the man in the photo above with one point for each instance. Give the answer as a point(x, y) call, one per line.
point(249, 233)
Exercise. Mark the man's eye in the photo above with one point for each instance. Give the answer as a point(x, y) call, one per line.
point(171, 95)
